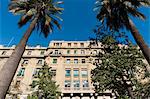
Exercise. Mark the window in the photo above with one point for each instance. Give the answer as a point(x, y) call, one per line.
point(36, 72)
point(96, 60)
point(39, 62)
point(84, 73)
point(82, 52)
point(29, 53)
point(21, 72)
point(53, 71)
point(54, 61)
point(95, 52)
point(17, 85)
point(68, 73)
point(68, 51)
point(57, 44)
point(68, 61)
point(56, 52)
point(85, 83)
point(25, 62)
point(69, 44)
point(42, 53)
point(83, 60)
point(76, 83)
point(76, 61)
point(75, 44)
point(33, 83)
point(82, 44)
point(3, 53)
point(60, 44)
point(76, 73)
point(54, 44)
point(75, 51)
point(67, 83)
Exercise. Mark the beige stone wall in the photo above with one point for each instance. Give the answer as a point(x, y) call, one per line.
point(56, 50)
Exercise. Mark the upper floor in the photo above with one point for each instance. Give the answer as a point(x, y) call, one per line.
point(55, 48)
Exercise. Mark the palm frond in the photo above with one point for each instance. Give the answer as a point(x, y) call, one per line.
point(25, 18)
point(135, 13)
point(115, 13)
point(48, 11)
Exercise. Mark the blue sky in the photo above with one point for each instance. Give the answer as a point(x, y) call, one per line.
point(78, 22)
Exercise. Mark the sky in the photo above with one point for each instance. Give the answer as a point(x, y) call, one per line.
point(78, 23)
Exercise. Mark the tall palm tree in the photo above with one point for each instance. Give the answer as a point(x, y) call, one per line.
point(42, 14)
point(116, 15)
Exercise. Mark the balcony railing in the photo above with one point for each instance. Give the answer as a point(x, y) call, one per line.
point(78, 88)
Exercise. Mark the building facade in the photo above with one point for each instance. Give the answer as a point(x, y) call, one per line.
point(71, 61)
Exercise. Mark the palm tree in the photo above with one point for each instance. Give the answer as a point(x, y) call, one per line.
point(43, 15)
point(116, 15)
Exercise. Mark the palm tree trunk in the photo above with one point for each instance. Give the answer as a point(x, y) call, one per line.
point(139, 40)
point(9, 68)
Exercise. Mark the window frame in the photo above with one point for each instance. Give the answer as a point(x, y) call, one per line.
point(84, 72)
point(29, 52)
point(66, 83)
point(67, 74)
point(76, 72)
point(21, 72)
point(83, 61)
point(76, 61)
point(54, 61)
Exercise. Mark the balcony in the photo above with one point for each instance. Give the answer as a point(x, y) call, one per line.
point(77, 90)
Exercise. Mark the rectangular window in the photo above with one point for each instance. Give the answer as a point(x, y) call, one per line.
point(3, 53)
point(69, 44)
point(57, 44)
point(54, 61)
point(82, 52)
point(75, 44)
point(54, 44)
point(68, 51)
point(95, 52)
point(76, 61)
point(96, 60)
point(56, 52)
point(60, 44)
point(85, 83)
point(76, 83)
point(36, 72)
point(68, 73)
point(39, 62)
point(68, 61)
point(21, 72)
point(17, 84)
point(82, 44)
point(83, 60)
point(25, 62)
point(67, 83)
point(42, 53)
point(84, 73)
point(33, 83)
point(53, 71)
point(29, 53)
point(75, 51)
point(76, 73)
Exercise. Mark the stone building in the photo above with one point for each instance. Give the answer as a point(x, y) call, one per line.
point(71, 61)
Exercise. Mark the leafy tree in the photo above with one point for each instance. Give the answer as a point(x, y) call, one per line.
point(115, 14)
point(43, 15)
point(121, 69)
point(46, 87)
